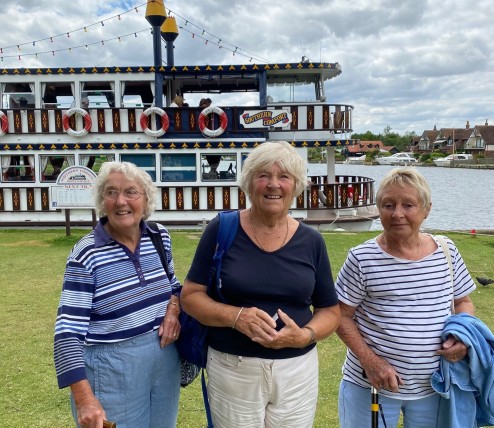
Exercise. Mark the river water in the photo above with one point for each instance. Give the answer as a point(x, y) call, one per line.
point(462, 199)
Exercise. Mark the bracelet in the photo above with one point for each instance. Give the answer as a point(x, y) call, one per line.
point(312, 335)
point(237, 317)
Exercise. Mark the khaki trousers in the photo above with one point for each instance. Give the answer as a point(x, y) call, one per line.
point(260, 393)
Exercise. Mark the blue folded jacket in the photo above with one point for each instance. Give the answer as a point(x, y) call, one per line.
point(467, 387)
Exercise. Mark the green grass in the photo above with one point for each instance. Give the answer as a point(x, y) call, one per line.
point(31, 270)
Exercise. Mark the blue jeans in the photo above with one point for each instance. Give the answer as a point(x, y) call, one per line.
point(136, 381)
point(354, 409)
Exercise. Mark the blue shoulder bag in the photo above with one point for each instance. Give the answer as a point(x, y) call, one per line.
point(192, 342)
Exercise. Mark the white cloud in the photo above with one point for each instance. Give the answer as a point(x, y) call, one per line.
point(409, 65)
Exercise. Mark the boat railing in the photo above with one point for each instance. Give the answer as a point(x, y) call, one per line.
point(344, 192)
point(335, 118)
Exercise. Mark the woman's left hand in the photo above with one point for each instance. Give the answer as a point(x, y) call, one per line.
point(286, 337)
point(453, 350)
point(170, 326)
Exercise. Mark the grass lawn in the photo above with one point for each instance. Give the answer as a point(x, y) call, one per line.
point(31, 269)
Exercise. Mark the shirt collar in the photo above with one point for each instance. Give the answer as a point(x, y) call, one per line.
point(101, 236)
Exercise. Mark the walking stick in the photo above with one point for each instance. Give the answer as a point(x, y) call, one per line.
point(374, 408)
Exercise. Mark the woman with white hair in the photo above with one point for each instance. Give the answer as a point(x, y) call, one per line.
point(396, 291)
point(118, 314)
point(261, 372)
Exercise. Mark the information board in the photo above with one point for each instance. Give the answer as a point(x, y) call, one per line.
point(74, 188)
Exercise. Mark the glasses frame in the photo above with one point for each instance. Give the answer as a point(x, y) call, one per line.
point(121, 192)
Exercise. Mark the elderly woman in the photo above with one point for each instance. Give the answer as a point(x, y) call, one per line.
point(395, 292)
point(263, 373)
point(118, 313)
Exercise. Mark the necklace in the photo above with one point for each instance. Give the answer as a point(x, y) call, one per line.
point(255, 236)
point(418, 248)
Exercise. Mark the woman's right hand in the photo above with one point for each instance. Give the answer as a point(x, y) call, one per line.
point(257, 324)
point(381, 374)
point(90, 413)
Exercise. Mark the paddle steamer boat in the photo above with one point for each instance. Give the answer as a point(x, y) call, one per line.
point(193, 154)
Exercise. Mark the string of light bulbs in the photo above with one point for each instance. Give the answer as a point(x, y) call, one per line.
point(68, 33)
point(85, 46)
point(220, 42)
point(200, 34)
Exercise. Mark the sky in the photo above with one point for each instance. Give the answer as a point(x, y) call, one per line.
point(407, 65)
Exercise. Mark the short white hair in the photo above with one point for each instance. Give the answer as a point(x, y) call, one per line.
point(265, 156)
point(131, 172)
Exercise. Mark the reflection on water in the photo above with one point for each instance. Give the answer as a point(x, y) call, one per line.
point(462, 199)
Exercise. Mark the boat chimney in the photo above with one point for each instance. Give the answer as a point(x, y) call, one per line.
point(155, 12)
point(169, 32)
point(156, 15)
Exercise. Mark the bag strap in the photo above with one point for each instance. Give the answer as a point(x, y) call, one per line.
point(446, 252)
point(158, 244)
point(227, 231)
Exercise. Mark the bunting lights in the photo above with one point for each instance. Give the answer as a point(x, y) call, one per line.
point(188, 26)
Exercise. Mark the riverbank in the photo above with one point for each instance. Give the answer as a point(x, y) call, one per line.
point(32, 267)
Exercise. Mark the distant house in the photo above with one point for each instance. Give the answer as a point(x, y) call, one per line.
point(362, 148)
point(481, 141)
point(478, 140)
point(426, 141)
point(452, 139)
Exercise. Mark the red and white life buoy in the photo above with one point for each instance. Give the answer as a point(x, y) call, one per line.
point(4, 123)
point(202, 121)
point(87, 122)
point(165, 122)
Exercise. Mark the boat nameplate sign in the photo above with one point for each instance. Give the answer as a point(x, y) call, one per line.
point(266, 118)
point(74, 188)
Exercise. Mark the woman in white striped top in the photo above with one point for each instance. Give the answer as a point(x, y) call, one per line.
point(395, 293)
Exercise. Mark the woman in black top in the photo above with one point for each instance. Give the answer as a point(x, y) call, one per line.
point(276, 277)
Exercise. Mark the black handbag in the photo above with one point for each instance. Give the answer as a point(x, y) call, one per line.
point(188, 370)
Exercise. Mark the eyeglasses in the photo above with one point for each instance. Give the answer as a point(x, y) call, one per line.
point(129, 194)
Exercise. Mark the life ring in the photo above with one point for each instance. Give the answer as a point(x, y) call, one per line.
point(87, 122)
point(165, 122)
point(202, 121)
point(4, 123)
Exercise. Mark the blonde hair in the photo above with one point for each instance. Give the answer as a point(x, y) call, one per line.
point(405, 177)
point(131, 172)
point(265, 156)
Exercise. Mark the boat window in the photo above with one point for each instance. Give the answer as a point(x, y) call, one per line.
point(296, 89)
point(137, 94)
point(57, 95)
point(17, 168)
point(52, 165)
point(145, 162)
point(98, 94)
point(219, 167)
point(94, 162)
point(178, 167)
point(18, 95)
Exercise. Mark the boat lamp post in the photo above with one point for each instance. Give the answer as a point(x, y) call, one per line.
point(156, 16)
point(169, 32)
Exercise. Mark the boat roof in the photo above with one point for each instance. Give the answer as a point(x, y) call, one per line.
point(301, 69)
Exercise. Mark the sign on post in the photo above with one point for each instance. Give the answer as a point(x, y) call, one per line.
point(73, 189)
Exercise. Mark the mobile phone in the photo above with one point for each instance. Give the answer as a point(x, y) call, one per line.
point(279, 323)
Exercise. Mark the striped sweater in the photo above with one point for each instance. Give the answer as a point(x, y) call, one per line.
point(402, 306)
point(109, 295)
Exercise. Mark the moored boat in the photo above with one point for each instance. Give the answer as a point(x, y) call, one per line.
point(59, 125)
point(446, 161)
point(398, 159)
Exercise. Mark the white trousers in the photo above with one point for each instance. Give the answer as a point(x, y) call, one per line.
point(260, 393)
